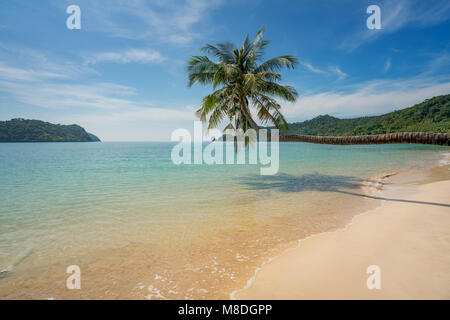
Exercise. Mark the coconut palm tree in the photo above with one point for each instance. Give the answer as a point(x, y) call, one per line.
point(243, 84)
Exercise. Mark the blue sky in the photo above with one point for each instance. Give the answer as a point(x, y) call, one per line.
point(122, 76)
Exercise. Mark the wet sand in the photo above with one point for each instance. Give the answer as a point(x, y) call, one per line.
point(408, 238)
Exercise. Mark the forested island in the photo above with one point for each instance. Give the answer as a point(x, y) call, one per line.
point(432, 115)
point(22, 130)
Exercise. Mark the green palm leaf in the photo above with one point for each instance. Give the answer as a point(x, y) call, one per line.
point(244, 86)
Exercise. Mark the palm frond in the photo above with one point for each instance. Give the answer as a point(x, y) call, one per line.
point(278, 63)
point(274, 89)
point(242, 86)
point(269, 111)
point(201, 69)
point(224, 53)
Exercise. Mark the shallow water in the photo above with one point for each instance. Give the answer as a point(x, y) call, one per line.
point(141, 227)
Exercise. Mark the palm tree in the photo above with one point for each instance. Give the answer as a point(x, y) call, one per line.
point(242, 84)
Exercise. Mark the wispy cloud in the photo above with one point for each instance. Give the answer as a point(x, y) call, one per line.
point(128, 56)
point(332, 70)
point(396, 15)
point(167, 21)
point(341, 74)
point(311, 68)
point(66, 96)
point(374, 97)
point(439, 63)
point(12, 73)
point(47, 84)
point(114, 102)
point(101, 100)
point(387, 65)
point(31, 65)
point(136, 114)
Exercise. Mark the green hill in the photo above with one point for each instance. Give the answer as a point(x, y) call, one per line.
point(432, 115)
point(21, 130)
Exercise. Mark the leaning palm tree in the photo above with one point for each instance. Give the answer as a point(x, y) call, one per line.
point(243, 84)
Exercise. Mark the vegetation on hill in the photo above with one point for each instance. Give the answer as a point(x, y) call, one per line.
point(432, 115)
point(21, 130)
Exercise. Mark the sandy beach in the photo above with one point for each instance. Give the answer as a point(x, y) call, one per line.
point(407, 237)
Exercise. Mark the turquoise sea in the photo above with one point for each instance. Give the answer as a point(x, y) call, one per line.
point(140, 226)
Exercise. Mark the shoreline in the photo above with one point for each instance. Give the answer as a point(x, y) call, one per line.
point(379, 177)
point(267, 281)
point(414, 174)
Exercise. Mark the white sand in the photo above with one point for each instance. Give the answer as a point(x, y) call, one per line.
point(409, 242)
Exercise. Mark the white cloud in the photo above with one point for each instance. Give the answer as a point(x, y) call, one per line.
point(375, 97)
point(396, 15)
point(115, 102)
point(90, 103)
point(387, 66)
point(341, 75)
point(34, 65)
point(137, 114)
point(11, 73)
point(128, 56)
point(168, 21)
point(51, 85)
point(439, 63)
point(311, 68)
point(331, 70)
point(67, 96)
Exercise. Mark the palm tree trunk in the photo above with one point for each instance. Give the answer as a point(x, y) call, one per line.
point(247, 116)
point(442, 139)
